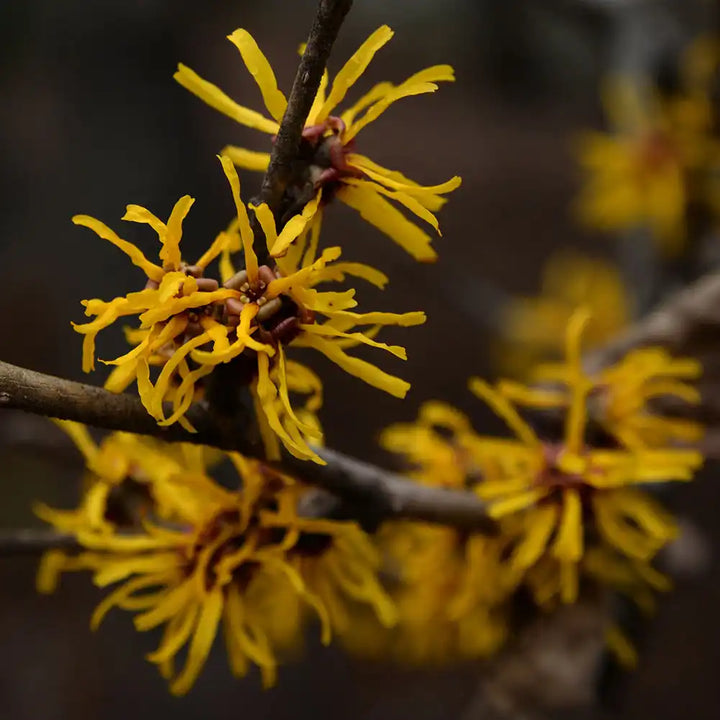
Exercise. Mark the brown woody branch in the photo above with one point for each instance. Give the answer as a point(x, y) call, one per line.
point(687, 324)
point(329, 18)
point(372, 489)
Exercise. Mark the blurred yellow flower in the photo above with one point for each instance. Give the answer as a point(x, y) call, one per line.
point(451, 592)
point(552, 491)
point(533, 327)
point(123, 469)
point(564, 509)
point(435, 448)
point(635, 579)
point(700, 65)
point(339, 564)
point(335, 170)
point(450, 587)
point(655, 161)
point(235, 559)
point(625, 392)
point(189, 325)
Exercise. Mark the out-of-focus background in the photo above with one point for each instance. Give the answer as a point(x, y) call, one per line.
point(90, 120)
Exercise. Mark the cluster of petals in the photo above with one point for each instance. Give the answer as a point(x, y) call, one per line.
point(550, 489)
point(660, 157)
point(336, 170)
point(203, 557)
point(532, 327)
point(567, 508)
point(189, 324)
point(453, 587)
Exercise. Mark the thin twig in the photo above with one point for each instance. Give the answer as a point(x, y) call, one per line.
point(33, 541)
point(387, 494)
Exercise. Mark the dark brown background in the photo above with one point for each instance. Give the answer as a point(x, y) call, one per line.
point(90, 120)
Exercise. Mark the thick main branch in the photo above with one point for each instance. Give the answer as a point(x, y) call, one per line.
point(371, 489)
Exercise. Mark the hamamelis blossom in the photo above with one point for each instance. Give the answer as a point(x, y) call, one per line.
point(334, 168)
point(626, 391)
point(231, 560)
point(436, 449)
point(189, 326)
point(550, 491)
point(280, 306)
point(338, 563)
point(622, 396)
point(659, 157)
point(451, 591)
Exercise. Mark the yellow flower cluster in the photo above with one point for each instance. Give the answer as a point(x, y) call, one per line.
point(189, 324)
point(565, 509)
point(126, 474)
point(335, 169)
point(548, 488)
point(202, 557)
point(660, 156)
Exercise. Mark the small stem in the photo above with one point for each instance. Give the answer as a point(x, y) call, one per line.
point(387, 495)
point(34, 541)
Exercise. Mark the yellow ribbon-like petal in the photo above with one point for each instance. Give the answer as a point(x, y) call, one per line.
point(380, 213)
point(136, 256)
point(248, 159)
point(216, 98)
point(353, 69)
point(246, 233)
point(357, 367)
point(259, 67)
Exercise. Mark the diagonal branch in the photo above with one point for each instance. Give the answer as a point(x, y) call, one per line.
point(686, 324)
point(371, 489)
